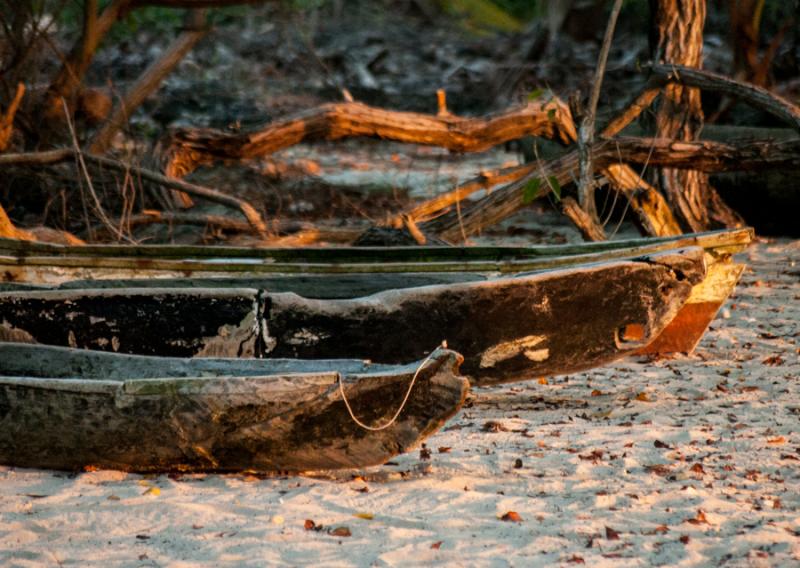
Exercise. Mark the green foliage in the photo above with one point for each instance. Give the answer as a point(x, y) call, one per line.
point(482, 15)
point(523, 9)
point(536, 94)
point(531, 190)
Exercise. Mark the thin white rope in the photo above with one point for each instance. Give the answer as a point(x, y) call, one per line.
point(402, 404)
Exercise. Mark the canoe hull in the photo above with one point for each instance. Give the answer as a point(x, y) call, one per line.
point(686, 330)
point(286, 422)
point(508, 329)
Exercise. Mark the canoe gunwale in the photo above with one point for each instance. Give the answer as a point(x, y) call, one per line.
point(740, 237)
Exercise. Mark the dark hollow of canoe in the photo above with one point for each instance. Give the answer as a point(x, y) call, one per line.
point(508, 329)
point(64, 408)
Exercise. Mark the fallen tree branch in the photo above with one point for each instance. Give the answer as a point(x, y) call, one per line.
point(705, 155)
point(61, 155)
point(611, 157)
point(187, 149)
point(503, 202)
point(483, 181)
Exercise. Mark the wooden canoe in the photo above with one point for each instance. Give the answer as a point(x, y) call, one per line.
point(355, 272)
point(509, 329)
point(64, 408)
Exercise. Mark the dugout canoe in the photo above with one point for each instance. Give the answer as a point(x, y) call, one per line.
point(354, 272)
point(508, 329)
point(317, 272)
point(63, 408)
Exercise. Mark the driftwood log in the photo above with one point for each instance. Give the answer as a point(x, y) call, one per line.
point(71, 409)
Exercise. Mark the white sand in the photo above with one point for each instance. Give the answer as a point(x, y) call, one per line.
point(588, 462)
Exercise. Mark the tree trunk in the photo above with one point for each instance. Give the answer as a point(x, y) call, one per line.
point(677, 38)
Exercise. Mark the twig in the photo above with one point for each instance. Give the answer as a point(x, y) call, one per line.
point(61, 155)
point(82, 167)
point(586, 131)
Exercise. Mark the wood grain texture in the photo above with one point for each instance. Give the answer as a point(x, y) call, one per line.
point(507, 329)
point(108, 410)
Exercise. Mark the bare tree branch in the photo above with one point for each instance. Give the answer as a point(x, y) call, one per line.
point(150, 80)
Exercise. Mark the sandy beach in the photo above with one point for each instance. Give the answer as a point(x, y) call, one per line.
point(687, 461)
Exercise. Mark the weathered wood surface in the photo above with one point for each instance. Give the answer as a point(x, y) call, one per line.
point(367, 270)
point(680, 336)
point(68, 409)
point(508, 328)
point(685, 331)
point(177, 322)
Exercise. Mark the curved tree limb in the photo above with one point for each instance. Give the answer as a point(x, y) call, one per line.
point(758, 97)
